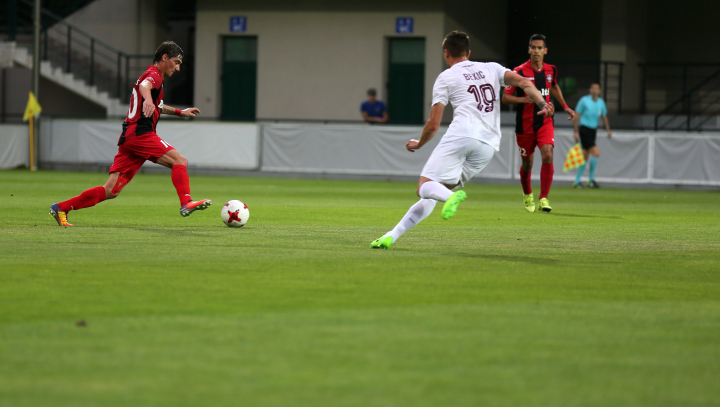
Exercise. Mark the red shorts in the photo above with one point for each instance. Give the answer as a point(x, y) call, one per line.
point(528, 142)
point(133, 153)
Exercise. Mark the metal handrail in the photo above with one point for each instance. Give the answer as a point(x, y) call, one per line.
point(685, 98)
point(79, 52)
point(62, 21)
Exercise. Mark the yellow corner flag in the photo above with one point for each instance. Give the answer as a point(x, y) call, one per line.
point(574, 158)
point(32, 109)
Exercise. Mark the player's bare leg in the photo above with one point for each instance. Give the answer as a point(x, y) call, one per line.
point(174, 160)
point(429, 192)
point(88, 198)
point(546, 176)
point(525, 171)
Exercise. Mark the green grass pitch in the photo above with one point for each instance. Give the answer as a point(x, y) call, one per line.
point(613, 299)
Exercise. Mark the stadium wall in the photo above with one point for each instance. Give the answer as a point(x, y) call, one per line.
point(133, 26)
point(639, 158)
point(14, 146)
point(312, 65)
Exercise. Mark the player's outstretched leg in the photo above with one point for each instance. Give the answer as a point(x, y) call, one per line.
point(59, 215)
point(439, 192)
point(181, 181)
point(450, 207)
point(88, 198)
point(419, 211)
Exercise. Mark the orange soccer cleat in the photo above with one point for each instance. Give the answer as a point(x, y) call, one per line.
point(193, 206)
point(59, 215)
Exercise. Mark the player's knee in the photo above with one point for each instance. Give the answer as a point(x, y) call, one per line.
point(110, 194)
point(181, 161)
point(547, 157)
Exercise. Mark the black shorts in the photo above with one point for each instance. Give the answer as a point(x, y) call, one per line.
point(587, 137)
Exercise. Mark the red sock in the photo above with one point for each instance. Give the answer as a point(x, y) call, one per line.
point(546, 176)
point(182, 183)
point(90, 197)
point(525, 181)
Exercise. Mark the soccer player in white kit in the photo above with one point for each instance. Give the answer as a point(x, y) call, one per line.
point(474, 89)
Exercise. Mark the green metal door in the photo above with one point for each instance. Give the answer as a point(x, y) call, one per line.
point(239, 78)
point(406, 80)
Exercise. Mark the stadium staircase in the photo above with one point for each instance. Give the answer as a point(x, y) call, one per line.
point(695, 109)
point(21, 56)
point(70, 58)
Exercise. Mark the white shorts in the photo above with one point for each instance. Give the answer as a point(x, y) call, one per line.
point(457, 160)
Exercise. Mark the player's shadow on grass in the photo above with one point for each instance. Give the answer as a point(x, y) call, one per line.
point(522, 259)
point(573, 215)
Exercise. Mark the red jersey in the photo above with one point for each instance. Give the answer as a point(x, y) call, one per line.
point(136, 123)
point(527, 120)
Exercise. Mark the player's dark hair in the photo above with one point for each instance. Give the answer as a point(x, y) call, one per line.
point(538, 37)
point(457, 43)
point(170, 48)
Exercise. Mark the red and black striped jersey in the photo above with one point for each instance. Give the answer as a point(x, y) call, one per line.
point(527, 120)
point(136, 123)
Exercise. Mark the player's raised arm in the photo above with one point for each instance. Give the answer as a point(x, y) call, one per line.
point(515, 100)
point(513, 79)
point(189, 112)
point(557, 94)
point(431, 127)
point(509, 98)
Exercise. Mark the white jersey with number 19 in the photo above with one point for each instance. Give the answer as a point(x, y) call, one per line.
point(474, 89)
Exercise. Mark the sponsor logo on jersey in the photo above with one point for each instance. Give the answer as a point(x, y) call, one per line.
point(544, 92)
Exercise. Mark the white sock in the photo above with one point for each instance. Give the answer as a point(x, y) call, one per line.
point(419, 211)
point(435, 190)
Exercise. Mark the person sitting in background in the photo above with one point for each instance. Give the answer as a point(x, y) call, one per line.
point(373, 110)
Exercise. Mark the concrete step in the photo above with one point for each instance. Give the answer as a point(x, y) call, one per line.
point(23, 57)
point(46, 68)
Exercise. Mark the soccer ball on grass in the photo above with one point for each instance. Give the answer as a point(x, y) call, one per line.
point(235, 214)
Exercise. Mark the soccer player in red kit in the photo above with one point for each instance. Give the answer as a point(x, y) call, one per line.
point(532, 130)
point(139, 142)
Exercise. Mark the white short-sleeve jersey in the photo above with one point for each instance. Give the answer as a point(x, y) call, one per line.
point(474, 89)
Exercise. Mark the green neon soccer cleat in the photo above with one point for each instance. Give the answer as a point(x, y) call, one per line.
point(545, 205)
point(529, 201)
point(382, 243)
point(452, 203)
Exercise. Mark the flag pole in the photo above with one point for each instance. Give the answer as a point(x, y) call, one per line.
point(36, 75)
point(32, 146)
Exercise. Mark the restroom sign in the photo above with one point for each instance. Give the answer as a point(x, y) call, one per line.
point(238, 24)
point(404, 25)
